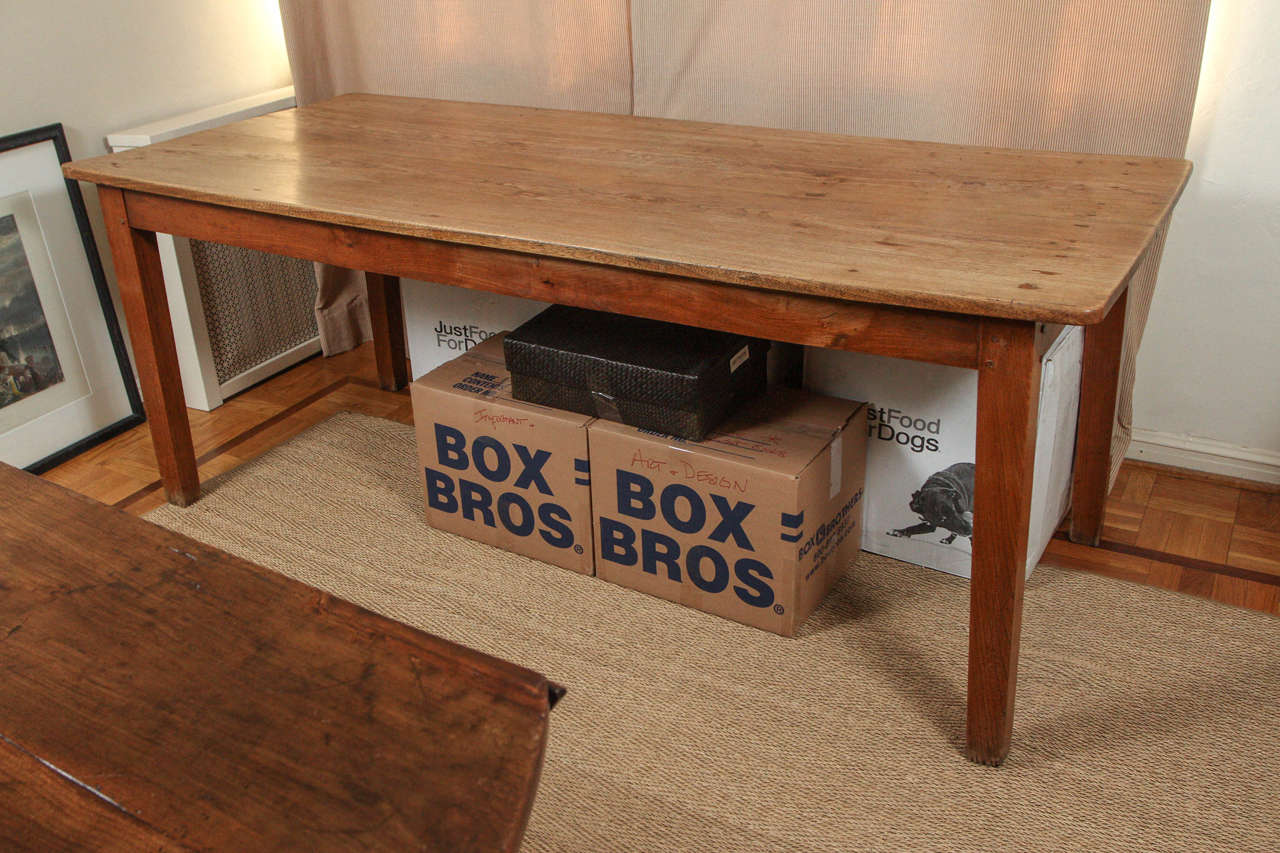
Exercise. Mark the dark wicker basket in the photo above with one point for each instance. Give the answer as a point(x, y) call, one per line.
point(673, 379)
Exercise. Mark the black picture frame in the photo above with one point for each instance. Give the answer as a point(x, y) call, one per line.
point(53, 133)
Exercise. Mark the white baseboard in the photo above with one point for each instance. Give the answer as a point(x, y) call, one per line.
point(1205, 454)
point(270, 367)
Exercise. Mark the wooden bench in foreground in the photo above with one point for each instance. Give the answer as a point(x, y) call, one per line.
point(157, 694)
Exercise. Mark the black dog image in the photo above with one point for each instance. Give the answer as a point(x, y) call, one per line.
point(945, 500)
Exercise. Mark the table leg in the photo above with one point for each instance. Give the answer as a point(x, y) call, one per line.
point(1099, 378)
point(146, 308)
point(386, 314)
point(1008, 401)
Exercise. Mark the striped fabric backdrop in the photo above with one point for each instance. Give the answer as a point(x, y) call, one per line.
point(1105, 76)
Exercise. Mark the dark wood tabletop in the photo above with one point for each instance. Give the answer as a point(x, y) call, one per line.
point(157, 693)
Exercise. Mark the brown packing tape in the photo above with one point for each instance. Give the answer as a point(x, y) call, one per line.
point(606, 406)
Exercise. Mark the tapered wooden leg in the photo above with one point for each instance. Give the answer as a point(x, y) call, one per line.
point(1099, 378)
point(386, 314)
point(146, 308)
point(1008, 400)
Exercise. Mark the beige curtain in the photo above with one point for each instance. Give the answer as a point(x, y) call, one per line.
point(1099, 76)
point(563, 54)
point(1106, 76)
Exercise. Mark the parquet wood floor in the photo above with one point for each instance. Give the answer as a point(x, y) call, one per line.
point(1165, 527)
point(1189, 531)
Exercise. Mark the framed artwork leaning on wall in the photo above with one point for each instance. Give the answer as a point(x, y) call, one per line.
point(65, 378)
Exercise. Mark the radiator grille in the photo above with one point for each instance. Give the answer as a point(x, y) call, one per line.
point(256, 305)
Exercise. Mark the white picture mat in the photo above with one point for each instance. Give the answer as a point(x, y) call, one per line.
point(35, 170)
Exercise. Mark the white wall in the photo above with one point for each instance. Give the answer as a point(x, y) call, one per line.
point(99, 66)
point(1208, 380)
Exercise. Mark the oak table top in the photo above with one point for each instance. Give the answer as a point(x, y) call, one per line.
point(157, 693)
point(1027, 235)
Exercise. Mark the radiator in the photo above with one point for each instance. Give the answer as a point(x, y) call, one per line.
point(239, 316)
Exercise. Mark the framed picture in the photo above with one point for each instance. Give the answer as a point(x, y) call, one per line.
point(65, 378)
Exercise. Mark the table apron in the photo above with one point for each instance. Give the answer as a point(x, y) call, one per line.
point(898, 332)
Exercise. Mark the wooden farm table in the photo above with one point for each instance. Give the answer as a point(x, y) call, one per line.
point(947, 254)
point(160, 694)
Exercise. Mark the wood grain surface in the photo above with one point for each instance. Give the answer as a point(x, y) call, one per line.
point(1099, 381)
point(1008, 402)
point(45, 811)
point(799, 318)
point(993, 232)
point(386, 316)
point(186, 694)
point(146, 307)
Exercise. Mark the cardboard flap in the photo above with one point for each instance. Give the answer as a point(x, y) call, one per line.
point(782, 431)
point(481, 372)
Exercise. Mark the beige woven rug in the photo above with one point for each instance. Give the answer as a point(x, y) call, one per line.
point(1146, 720)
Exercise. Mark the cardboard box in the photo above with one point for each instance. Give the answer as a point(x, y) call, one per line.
point(500, 471)
point(923, 428)
point(755, 523)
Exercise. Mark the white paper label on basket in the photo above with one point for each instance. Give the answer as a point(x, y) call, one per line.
point(837, 465)
point(741, 356)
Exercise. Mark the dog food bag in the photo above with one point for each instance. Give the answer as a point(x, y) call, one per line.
point(922, 430)
point(442, 321)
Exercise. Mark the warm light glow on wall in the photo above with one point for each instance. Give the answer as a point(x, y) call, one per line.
point(1224, 22)
point(271, 27)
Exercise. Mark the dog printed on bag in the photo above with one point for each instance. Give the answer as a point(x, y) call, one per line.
point(945, 500)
